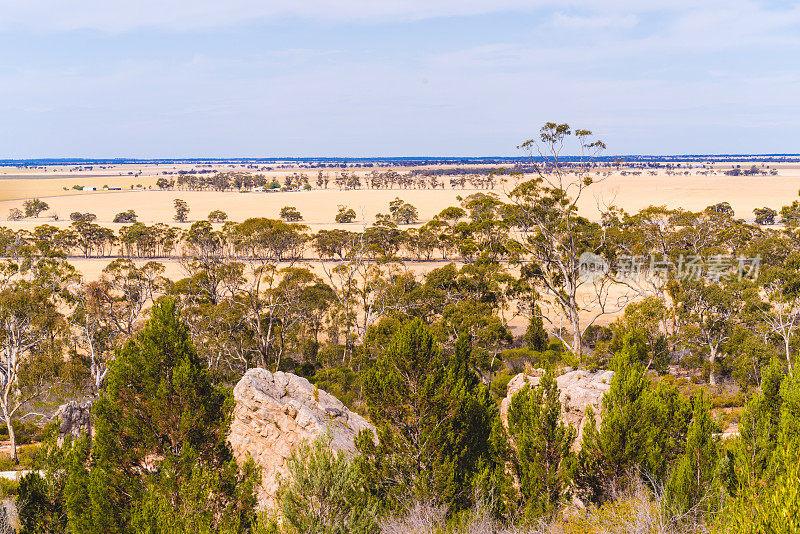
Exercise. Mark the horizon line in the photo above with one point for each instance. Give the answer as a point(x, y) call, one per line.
point(344, 159)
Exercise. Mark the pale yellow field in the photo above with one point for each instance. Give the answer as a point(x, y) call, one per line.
point(694, 192)
point(16, 183)
point(319, 207)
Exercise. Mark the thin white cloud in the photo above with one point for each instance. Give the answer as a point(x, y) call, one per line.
point(114, 16)
point(597, 39)
point(588, 22)
point(120, 16)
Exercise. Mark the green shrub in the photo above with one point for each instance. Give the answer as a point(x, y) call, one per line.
point(25, 431)
point(434, 419)
point(728, 400)
point(330, 355)
point(8, 488)
point(542, 456)
point(341, 382)
point(695, 474)
point(324, 494)
point(635, 512)
point(516, 359)
point(27, 454)
point(766, 508)
point(643, 429)
point(500, 384)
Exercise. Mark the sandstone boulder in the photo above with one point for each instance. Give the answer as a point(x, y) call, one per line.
point(577, 390)
point(276, 412)
point(74, 418)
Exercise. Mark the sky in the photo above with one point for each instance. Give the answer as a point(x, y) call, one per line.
point(248, 78)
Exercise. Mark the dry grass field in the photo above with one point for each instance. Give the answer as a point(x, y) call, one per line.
point(692, 192)
point(318, 207)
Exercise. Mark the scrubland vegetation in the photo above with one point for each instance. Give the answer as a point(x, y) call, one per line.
point(703, 311)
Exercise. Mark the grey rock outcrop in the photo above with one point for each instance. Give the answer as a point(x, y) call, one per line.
point(577, 390)
point(275, 413)
point(75, 418)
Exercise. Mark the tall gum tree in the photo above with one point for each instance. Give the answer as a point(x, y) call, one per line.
point(30, 292)
point(548, 232)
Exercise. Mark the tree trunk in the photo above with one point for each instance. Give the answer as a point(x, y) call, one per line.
point(11, 436)
point(712, 381)
point(577, 346)
point(576, 343)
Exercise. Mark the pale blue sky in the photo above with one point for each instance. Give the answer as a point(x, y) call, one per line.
point(163, 78)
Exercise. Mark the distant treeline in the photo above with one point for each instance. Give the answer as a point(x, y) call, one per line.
point(408, 161)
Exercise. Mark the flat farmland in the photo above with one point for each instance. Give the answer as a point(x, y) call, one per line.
point(319, 206)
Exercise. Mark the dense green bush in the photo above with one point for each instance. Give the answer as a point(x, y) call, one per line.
point(643, 429)
point(541, 456)
point(324, 493)
point(434, 419)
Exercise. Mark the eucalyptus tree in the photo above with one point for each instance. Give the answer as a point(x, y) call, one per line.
point(364, 290)
point(28, 317)
point(211, 302)
point(345, 215)
point(402, 212)
point(297, 305)
point(34, 207)
point(446, 222)
point(650, 234)
point(765, 216)
point(261, 239)
point(204, 243)
point(181, 210)
point(290, 214)
point(217, 216)
point(790, 215)
point(549, 232)
point(383, 238)
point(421, 242)
point(335, 243)
point(781, 287)
point(131, 289)
point(92, 326)
point(31, 292)
point(707, 312)
point(92, 238)
point(138, 240)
